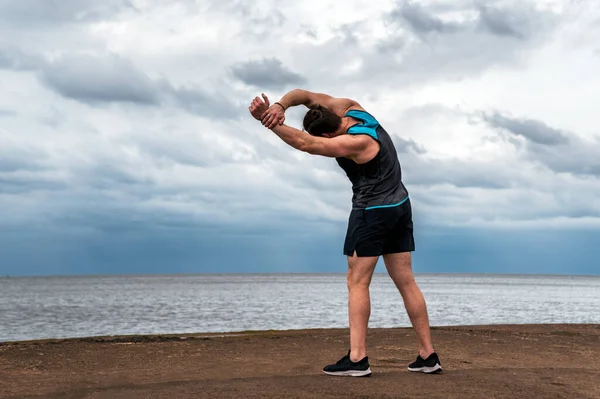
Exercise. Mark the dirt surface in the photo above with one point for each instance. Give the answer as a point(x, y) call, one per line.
point(558, 361)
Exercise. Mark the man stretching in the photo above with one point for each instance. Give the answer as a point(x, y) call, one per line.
point(380, 222)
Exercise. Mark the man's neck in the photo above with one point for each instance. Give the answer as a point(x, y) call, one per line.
point(345, 125)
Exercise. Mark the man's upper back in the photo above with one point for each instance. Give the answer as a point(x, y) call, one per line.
point(377, 182)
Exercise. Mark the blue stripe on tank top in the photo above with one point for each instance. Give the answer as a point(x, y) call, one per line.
point(387, 206)
point(362, 115)
point(369, 125)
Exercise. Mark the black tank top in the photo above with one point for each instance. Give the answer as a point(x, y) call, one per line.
point(377, 183)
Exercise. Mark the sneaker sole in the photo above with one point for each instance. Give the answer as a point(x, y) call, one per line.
point(350, 373)
point(427, 370)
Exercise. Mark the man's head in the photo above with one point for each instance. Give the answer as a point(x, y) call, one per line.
point(320, 121)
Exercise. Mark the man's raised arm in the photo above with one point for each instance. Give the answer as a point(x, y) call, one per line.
point(276, 112)
point(348, 146)
point(309, 99)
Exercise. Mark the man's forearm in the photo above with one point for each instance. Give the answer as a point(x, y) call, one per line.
point(293, 137)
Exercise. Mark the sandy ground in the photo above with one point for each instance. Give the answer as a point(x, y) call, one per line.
point(558, 361)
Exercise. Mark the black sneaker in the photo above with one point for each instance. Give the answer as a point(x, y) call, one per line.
point(346, 367)
point(428, 366)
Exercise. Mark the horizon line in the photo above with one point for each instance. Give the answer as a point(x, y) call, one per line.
point(9, 276)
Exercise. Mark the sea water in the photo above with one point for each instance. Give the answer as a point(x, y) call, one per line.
point(62, 307)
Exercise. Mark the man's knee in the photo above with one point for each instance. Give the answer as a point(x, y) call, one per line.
point(399, 268)
point(405, 280)
point(358, 280)
point(360, 270)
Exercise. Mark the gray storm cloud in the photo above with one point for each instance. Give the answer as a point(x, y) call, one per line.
point(420, 20)
point(535, 131)
point(44, 12)
point(269, 73)
point(507, 22)
point(558, 150)
point(108, 78)
point(446, 41)
point(518, 20)
point(15, 59)
point(100, 79)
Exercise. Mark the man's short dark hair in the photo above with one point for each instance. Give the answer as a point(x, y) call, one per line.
point(319, 120)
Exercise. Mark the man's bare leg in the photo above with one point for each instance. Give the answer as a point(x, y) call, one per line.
point(360, 272)
point(399, 268)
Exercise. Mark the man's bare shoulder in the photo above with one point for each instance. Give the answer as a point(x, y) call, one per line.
point(352, 105)
point(361, 147)
point(344, 105)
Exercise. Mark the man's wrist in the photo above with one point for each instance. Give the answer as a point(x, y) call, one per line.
point(280, 104)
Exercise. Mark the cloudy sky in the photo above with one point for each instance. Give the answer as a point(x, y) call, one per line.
point(126, 145)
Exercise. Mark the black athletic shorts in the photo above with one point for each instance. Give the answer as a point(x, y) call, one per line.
point(380, 231)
